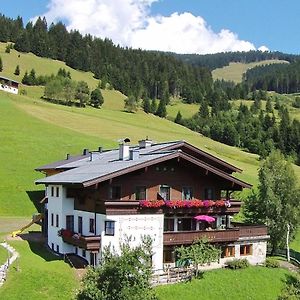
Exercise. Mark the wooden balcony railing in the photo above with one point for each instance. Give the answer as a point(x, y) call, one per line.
point(187, 237)
point(253, 230)
point(225, 235)
point(91, 243)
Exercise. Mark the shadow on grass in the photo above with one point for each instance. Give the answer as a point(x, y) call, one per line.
point(38, 246)
point(36, 197)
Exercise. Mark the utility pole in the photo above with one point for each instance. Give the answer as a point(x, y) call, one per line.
point(287, 242)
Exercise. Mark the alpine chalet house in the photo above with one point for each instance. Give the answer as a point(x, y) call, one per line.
point(101, 198)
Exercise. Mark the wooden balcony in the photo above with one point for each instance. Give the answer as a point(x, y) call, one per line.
point(188, 237)
point(253, 230)
point(90, 243)
point(123, 207)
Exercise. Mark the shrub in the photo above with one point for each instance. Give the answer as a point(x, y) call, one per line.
point(271, 263)
point(238, 264)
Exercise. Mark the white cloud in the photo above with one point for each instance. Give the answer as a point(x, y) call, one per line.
point(129, 23)
point(263, 49)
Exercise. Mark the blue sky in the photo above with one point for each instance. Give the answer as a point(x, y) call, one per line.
point(200, 26)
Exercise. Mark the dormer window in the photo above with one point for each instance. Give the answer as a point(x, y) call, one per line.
point(164, 192)
point(140, 193)
point(187, 193)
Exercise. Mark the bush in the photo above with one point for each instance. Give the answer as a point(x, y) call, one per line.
point(238, 264)
point(271, 263)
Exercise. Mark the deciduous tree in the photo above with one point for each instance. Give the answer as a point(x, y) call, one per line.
point(96, 98)
point(121, 276)
point(276, 203)
point(199, 253)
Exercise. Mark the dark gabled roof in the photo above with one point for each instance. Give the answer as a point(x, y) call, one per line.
point(209, 158)
point(63, 164)
point(103, 169)
point(9, 79)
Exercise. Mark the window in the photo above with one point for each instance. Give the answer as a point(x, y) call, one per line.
point(93, 259)
point(80, 225)
point(52, 246)
point(246, 249)
point(57, 248)
point(169, 255)
point(168, 224)
point(140, 193)
point(208, 194)
point(164, 192)
point(57, 191)
point(76, 250)
point(228, 251)
point(115, 192)
point(109, 227)
point(83, 253)
point(187, 193)
point(57, 220)
point(52, 191)
point(70, 223)
point(52, 219)
point(92, 225)
point(186, 224)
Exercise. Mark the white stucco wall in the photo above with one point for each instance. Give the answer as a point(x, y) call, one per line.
point(9, 89)
point(134, 227)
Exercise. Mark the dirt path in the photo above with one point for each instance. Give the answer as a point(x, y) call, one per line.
point(287, 265)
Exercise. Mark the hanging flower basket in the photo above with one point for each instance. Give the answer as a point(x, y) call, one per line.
point(153, 203)
point(220, 203)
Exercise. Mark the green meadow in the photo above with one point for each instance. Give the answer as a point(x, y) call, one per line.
point(254, 283)
point(234, 71)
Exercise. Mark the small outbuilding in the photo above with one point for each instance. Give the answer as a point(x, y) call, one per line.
point(9, 85)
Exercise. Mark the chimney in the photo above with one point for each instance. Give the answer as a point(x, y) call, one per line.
point(85, 152)
point(123, 151)
point(94, 155)
point(68, 156)
point(100, 149)
point(134, 154)
point(145, 143)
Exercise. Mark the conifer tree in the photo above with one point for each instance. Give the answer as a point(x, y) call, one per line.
point(178, 118)
point(17, 70)
point(25, 79)
point(147, 105)
point(153, 107)
point(204, 111)
point(32, 77)
point(162, 109)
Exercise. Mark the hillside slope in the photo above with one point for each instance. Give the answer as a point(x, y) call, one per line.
point(35, 132)
point(234, 72)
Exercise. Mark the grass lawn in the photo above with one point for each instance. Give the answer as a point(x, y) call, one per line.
point(254, 283)
point(41, 275)
point(3, 255)
point(26, 143)
point(234, 71)
point(295, 244)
